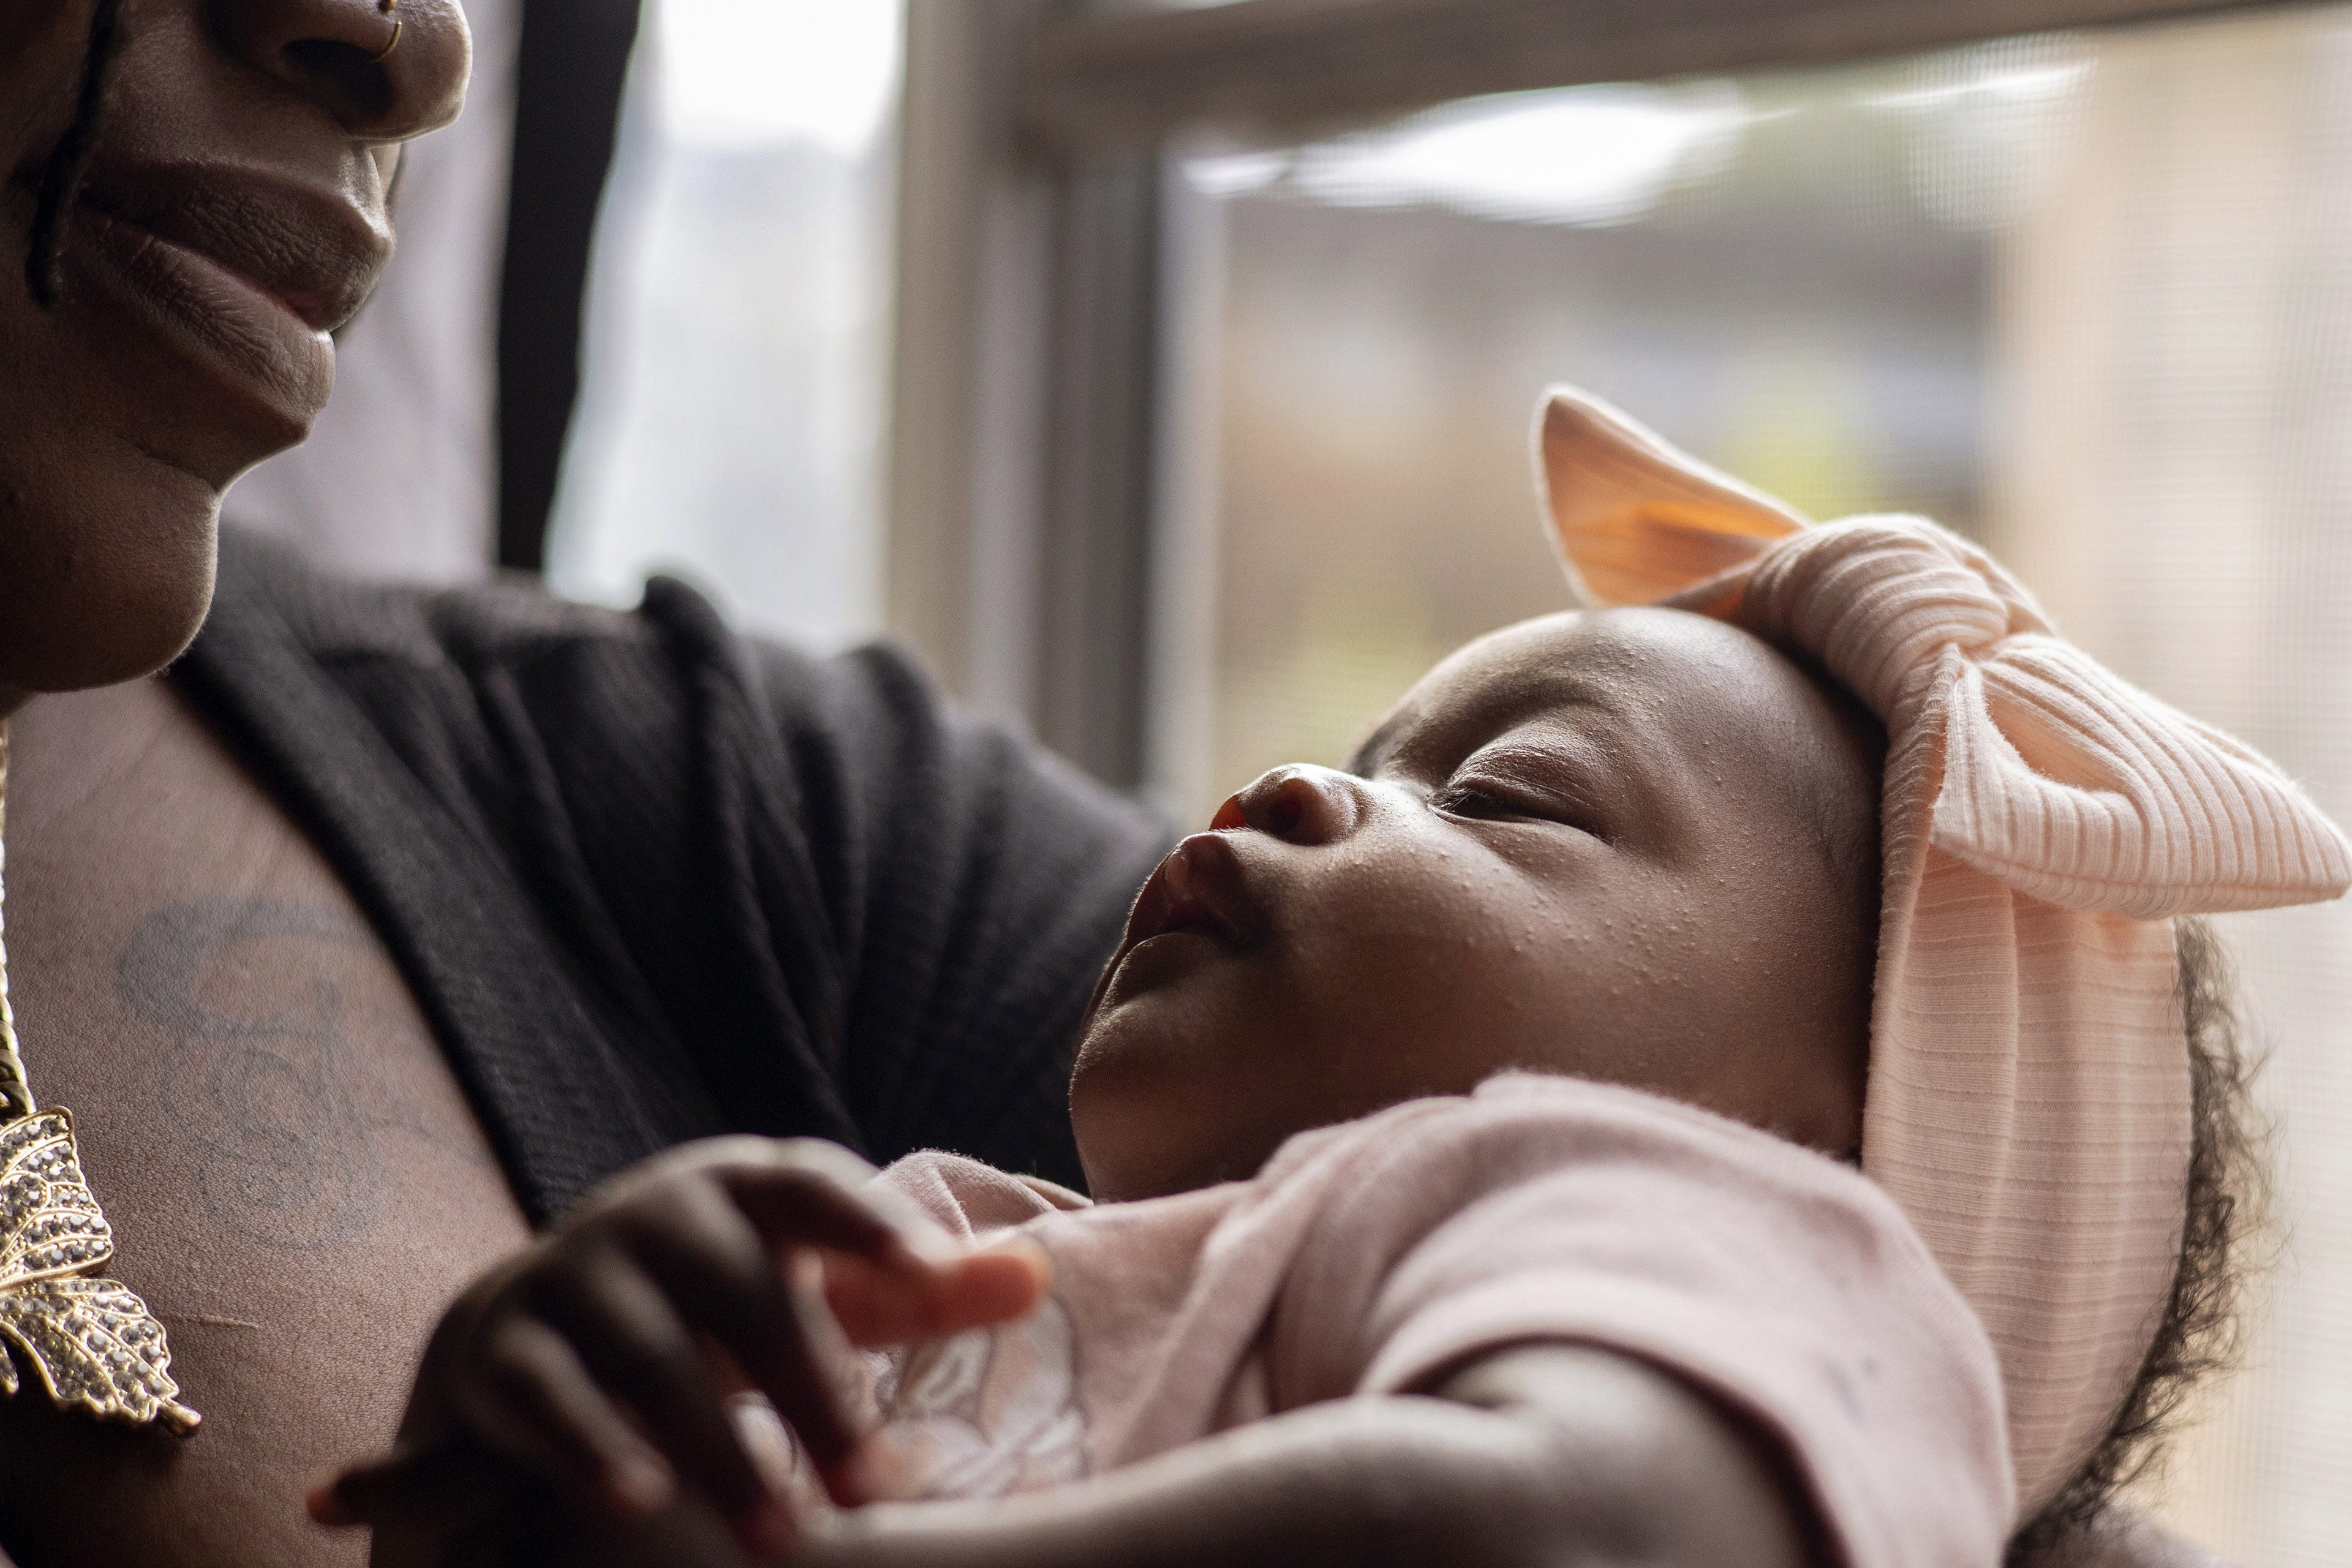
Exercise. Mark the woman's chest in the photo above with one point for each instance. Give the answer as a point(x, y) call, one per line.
point(295, 1181)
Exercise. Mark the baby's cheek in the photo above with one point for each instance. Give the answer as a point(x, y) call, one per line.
point(1594, 986)
point(1396, 1007)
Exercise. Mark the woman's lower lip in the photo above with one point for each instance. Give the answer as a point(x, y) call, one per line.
point(246, 338)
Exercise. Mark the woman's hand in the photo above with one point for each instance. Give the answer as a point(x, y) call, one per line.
point(599, 1361)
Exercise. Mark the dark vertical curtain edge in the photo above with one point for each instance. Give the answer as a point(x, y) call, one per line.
point(572, 61)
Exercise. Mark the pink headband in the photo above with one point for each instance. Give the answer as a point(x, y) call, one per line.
point(2028, 1104)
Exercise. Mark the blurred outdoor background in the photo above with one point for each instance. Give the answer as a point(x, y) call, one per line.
point(2085, 295)
point(2088, 298)
point(737, 318)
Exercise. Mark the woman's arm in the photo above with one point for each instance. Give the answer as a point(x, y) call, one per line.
point(1540, 1455)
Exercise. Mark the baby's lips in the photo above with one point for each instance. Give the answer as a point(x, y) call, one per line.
point(1200, 886)
point(1149, 917)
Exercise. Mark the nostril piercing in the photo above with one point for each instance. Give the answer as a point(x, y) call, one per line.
point(388, 8)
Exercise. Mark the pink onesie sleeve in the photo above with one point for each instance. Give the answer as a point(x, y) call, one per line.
point(1784, 1282)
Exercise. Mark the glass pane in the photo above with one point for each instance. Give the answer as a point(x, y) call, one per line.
point(2086, 296)
point(737, 320)
point(1791, 277)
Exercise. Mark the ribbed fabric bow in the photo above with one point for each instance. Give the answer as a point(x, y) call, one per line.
point(2029, 1102)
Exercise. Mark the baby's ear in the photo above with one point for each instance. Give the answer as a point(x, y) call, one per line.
point(1634, 518)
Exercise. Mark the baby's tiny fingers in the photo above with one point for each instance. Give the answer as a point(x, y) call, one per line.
point(403, 1477)
point(796, 1190)
point(635, 1344)
point(531, 1397)
point(356, 1496)
point(792, 1203)
point(882, 1305)
point(450, 1503)
point(998, 1283)
point(722, 1280)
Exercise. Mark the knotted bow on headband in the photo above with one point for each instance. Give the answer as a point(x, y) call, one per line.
point(2029, 1099)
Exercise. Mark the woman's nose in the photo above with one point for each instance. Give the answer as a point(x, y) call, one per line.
point(1297, 804)
point(387, 69)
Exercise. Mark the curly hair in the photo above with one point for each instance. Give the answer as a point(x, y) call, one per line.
point(69, 160)
point(2228, 1194)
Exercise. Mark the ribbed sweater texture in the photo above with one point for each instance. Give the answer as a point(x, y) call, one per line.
point(650, 880)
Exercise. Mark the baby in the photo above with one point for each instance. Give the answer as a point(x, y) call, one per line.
point(1708, 1083)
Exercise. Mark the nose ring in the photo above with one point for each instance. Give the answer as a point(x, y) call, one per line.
point(388, 8)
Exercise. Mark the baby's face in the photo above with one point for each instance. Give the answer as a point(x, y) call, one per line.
point(1636, 846)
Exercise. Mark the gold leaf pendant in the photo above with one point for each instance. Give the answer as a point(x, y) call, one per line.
point(94, 1343)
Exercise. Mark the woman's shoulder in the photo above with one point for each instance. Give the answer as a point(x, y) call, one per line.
point(809, 896)
point(270, 597)
point(409, 654)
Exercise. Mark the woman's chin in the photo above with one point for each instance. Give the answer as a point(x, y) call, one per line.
point(123, 604)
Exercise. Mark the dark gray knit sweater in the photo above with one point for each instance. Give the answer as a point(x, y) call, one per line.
point(650, 880)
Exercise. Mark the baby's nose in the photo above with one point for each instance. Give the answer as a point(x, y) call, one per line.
point(1297, 804)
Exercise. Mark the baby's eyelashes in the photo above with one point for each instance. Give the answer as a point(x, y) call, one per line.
point(1487, 798)
point(1469, 800)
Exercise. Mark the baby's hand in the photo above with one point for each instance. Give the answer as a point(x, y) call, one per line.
point(601, 1359)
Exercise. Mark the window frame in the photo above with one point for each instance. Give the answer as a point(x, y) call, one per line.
point(1128, 77)
point(1051, 514)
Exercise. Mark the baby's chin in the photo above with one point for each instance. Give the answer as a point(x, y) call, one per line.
point(1157, 1112)
point(1162, 1099)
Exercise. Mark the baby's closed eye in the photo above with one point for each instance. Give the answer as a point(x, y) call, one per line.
point(1523, 787)
point(1484, 800)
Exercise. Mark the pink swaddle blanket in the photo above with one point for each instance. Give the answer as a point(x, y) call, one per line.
point(2028, 1097)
